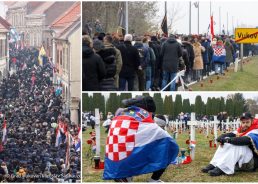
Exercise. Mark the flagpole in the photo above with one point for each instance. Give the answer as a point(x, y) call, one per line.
point(227, 23)
point(219, 22)
point(210, 8)
point(232, 25)
point(126, 17)
point(190, 17)
point(166, 10)
point(198, 17)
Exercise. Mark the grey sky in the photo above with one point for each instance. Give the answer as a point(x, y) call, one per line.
point(244, 14)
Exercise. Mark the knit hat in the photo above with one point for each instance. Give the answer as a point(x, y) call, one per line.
point(145, 102)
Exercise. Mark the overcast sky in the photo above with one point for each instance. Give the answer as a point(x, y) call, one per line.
point(244, 13)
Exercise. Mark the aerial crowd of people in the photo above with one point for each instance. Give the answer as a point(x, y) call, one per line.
point(32, 110)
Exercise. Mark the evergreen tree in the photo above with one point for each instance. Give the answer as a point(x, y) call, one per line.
point(178, 105)
point(222, 104)
point(159, 103)
point(198, 105)
point(85, 102)
point(168, 105)
point(112, 103)
point(209, 106)
point(186, 106)
point(145, 94)
point(99, 102)
point(229, 107)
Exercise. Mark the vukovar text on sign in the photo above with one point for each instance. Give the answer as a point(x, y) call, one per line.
point(246, 35)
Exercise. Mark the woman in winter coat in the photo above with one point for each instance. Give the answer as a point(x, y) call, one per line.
point(198, 61)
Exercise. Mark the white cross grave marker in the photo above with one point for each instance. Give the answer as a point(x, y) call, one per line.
point(97, 129)
point(192, 124)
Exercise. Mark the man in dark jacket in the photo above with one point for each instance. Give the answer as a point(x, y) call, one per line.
point(189, 66)
point(93, 68)
point(131, 63)
point(170, 53)
point(205, 56)
point(108, 55)
point(237, 150)
point(118, 58)
point(144, 63)
point(156, 70)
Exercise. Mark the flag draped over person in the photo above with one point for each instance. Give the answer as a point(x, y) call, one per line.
point(252, 132)
point(136, 145)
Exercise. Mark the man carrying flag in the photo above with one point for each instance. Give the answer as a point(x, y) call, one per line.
point(238, 151)
point(136, 145)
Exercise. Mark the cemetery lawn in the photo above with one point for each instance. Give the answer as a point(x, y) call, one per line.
point(183, 173)
point(232, 81)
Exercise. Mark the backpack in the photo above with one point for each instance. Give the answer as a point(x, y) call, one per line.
point(109, 58)
point(142, 60)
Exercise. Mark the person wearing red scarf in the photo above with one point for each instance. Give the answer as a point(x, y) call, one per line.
point(238, 150)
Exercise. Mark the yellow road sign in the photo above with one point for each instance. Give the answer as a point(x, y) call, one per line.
point(246, 35)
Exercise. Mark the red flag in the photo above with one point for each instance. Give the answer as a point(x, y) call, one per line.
point(212, 28)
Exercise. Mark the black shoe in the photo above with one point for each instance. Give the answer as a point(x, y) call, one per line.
point(208, 168)
point(216, 172)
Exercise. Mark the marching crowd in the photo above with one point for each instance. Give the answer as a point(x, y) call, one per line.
point(144, 63)
point(31, 108)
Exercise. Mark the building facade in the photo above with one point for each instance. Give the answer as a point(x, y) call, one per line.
point(4, 48)
point(33, 19)
point(67, 59)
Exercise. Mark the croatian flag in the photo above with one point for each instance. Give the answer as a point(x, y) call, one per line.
point(78, 141)
point(58, 137)
point(67, 157)
point(136, 145)
point(4, 138)
point(252, 132)
point(219, 54)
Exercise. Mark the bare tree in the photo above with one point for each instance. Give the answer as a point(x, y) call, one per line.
point(174, 15)
point(140, 15)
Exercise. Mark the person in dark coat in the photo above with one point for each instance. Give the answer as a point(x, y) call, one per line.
point(156, 70)
point(170, 53)
point(93, 68)
point(108, 55)
point(189, 66)
point(131, 63)
point(205, 56)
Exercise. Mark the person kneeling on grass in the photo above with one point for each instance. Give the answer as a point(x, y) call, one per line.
point(136, 144)
point(238, 151)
